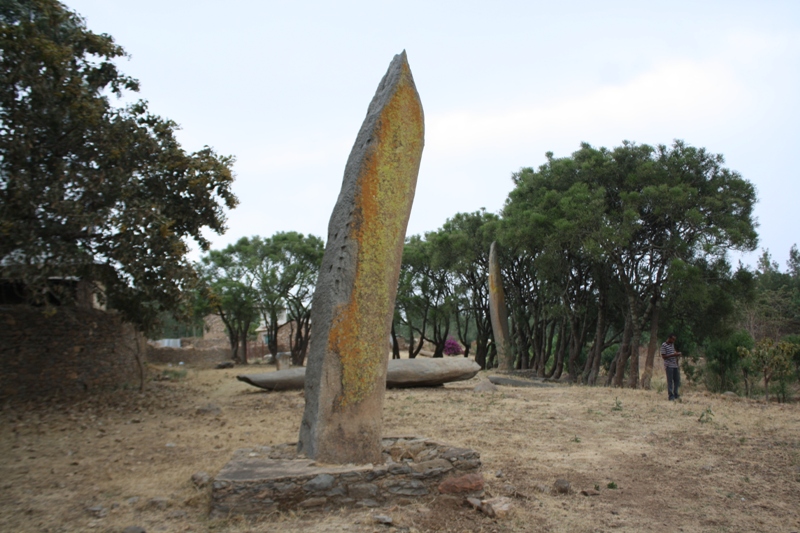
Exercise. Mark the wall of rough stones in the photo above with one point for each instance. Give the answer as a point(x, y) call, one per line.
point(273, 478)
point(65, 351)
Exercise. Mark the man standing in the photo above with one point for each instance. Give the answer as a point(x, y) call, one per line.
point(670, 357)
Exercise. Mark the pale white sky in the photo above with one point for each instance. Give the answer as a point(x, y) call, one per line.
point(284, 87)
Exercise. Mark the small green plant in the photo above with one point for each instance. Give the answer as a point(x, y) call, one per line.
point(597, 487)
point(173, 375)
point(576, 439)
point(612, 485)
point(706, 416)
point(742, 440)
point(617, 405)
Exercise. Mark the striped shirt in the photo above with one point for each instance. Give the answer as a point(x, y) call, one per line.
point(667, 353)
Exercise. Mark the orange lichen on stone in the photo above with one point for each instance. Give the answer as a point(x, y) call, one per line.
point(359, 331)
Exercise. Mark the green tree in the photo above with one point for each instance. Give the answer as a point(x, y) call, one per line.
point(297, 259)
point(90, 191)
point(230, 293)
point(640, 210)
point(769, 358)
point(462, 247)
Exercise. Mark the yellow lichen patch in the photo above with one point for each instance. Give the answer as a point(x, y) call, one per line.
point(359, 332)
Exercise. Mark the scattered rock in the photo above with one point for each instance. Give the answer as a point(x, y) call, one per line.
point(159, 503)
point(225, 364)
point(498, 507)
point(562, 486)
point(132, 501)
point(460, 484)
point(209, 409)
point(590, 492)
point(485, 386)
point(201, 479)
point(730, 394)
point(97, 511)
point(383, 519)
point(508, 489)
point(475, 503)
point(134, 529)
point(498, 474)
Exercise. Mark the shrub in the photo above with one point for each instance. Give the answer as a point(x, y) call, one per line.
point(452, 347)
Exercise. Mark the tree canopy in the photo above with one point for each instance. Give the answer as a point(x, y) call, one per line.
point(89, 191)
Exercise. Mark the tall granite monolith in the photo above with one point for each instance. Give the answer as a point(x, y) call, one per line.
point(498, 312)
point(353, 303)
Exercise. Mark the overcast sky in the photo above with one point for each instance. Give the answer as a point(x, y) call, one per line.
point(284, 87)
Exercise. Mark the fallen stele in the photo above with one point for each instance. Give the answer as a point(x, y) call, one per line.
point(401, 373)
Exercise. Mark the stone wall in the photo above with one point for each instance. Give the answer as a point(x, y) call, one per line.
point(65, 351)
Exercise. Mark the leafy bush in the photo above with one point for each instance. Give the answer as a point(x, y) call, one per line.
point(723, 361)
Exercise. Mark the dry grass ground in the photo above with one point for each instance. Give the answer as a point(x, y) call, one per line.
point(709, 463)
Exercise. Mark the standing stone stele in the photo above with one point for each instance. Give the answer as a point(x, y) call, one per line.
point(355, 294)
point(498, 312)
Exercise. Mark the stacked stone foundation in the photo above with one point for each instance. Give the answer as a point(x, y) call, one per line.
point(270, 479)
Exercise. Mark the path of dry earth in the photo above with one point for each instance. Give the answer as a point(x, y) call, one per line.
point(102, 464)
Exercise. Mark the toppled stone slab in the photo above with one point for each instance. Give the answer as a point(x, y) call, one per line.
point(274, 478)
point(402, 373)
point(518, 382)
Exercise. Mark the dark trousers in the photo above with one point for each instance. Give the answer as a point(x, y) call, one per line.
point(673, 382)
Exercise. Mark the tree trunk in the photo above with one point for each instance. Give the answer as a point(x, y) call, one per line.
point(652, 346)
point(617, 370)
point(625, 351)
point(561, 347)
point(395, 344)
point(593, 361)
point(480, 353)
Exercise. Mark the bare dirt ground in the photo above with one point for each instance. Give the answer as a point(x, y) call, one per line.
point(710, 463)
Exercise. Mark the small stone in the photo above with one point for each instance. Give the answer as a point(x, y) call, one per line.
point(383, 519)
point(225, 364)
point(209, 409)
point(201, 479)
point(158, 503)
point(97, 511)
point(562, 486)
point(134, 529)
point(410, 487)
point(485, 386)
point(590, 492)
point(171, 445)
point(132, 501)
point(498, 507)
point(460, 484)
point(475, 503)
point(498, 474)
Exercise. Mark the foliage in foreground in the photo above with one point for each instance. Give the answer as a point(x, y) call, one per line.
point(89, 191)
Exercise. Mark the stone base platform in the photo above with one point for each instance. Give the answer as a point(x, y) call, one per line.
point(274, 478)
